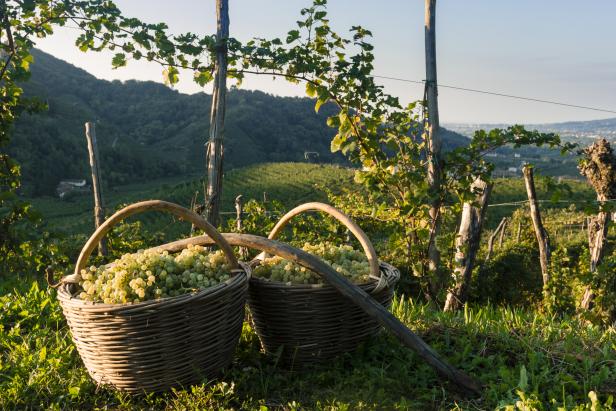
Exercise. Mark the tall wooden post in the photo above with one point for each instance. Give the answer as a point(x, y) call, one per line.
point(540, 232)
point(214, 155)
point(99, 212)
point(467, 245)
point(432, 132)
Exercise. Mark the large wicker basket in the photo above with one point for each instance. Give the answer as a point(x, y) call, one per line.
point(314, 323)
point(154, 345)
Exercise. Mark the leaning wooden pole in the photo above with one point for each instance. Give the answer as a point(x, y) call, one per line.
point(467, 245)
point(348, 290)
point(432, 134)
point(499, 227)
point(99, 211)
point(540, 232)
point(215, 150)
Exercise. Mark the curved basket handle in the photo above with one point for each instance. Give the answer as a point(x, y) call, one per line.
point(141, 207)
point(373, 260)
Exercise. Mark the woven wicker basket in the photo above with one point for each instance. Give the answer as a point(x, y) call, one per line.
point(154, 345)
point(314, 323)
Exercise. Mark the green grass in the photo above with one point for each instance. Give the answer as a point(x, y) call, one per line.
point(289, 183)
point(520, 356)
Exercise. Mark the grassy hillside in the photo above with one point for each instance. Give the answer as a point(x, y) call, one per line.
point(289, 183)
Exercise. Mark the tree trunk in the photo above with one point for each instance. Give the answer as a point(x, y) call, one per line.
point(99, 211)
point(433, 138)
point(540, 232)
point(467, 244)
point(214, 156)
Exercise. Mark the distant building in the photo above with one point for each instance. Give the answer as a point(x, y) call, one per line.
point(492, 155)
point(311, 156)
point(66, 187)
point(512, 169)
point(516, 155)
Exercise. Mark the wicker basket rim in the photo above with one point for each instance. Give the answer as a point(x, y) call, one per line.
point(238, 277)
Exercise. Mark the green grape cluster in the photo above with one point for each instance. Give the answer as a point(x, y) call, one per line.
point(351, 263)
point(148, 275)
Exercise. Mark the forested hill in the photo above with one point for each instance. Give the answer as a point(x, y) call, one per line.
point(146, 130)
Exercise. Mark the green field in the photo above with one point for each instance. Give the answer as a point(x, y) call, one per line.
point(289, 183)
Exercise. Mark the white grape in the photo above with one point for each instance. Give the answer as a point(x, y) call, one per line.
point(347, 261)
point(149, 275)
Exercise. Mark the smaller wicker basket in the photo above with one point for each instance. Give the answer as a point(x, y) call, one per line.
point(309, 324)
point(154, 345)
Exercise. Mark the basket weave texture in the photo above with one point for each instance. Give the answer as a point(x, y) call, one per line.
point(311, 324)
point(154, 345)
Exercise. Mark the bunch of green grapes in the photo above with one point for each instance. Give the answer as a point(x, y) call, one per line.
point(351, 263)
point(148, 275)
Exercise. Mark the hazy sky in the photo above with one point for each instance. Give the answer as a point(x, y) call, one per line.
point(560, 50)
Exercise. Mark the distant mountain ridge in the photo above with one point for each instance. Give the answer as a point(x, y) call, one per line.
point(146, 130)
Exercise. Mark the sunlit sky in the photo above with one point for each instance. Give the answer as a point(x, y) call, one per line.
point(561, 50)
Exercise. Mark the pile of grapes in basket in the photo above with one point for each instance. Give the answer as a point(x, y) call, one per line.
point(347, 261)
point(148, 275)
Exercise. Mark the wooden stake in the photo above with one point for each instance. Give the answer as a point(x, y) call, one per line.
point(99, 212)
point(501, 237)
point(599, 168)
point(214, 155)
point(540, 232)
point(239, 213)
point(493, 237)
point(432, 133)
point(467, 245)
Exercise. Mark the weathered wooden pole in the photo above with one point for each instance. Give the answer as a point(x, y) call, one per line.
point(99, 212)
point(501, 237)
point(239, 211)
point(239, 214)
point(543, 238)
point(432, 133)
point(467, 245)
point(493, 237)
point(599, 167)
point(215, 149)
